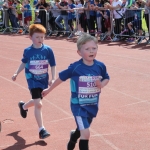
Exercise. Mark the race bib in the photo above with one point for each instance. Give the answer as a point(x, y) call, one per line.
point(38, 67)
point(87, 91)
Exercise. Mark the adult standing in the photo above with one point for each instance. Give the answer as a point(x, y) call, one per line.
point(117, 13)
point(42, 13)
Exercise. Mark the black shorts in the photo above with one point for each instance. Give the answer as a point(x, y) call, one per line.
point(36, 93)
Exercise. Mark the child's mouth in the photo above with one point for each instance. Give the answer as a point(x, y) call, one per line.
point(91, 55)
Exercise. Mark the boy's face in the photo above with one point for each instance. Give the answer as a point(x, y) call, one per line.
point(88, 52)
point(37, 39)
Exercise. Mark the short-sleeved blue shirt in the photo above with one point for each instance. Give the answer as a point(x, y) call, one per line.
point(27, 13)
point(37, 61)
point(71, 15)
point(98, 14)
point(84, 93)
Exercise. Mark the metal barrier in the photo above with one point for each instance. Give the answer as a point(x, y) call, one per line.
point(131, 26)
point(113, 29)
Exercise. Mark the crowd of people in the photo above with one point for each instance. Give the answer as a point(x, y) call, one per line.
point(73, 17)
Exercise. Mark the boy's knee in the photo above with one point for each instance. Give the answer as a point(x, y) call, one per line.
point(85, 134)
point(38, 103)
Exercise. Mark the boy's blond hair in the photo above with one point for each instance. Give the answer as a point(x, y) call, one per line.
point(36, 28)
point(84, 38)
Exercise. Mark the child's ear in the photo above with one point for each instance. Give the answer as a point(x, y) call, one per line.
point(78, 51)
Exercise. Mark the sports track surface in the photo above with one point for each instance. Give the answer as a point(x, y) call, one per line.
point(123, 121)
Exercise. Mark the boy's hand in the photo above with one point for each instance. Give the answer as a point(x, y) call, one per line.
point(98, 84)
point(14, 77)
point(45, 92)
point(51, 82)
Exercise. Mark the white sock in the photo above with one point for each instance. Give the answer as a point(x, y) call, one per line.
point(23, 107)
point(41, 128)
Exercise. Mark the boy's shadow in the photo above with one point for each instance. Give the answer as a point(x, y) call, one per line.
point(21, 143)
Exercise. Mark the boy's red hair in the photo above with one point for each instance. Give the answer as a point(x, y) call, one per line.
point(36, 28)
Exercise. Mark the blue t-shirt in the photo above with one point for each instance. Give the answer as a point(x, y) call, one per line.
point(71, 15)
point(27, 13)
point(35, 2)
point(37, 61)
point(92, 13)
point(98, 14)
point(84, 94)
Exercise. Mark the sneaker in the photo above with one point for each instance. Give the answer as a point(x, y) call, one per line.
point(43, 134)
point(92, 31)
point(99, 32)
point(71, 144)
point(139, 40)
point(78, 33)
point(148, 42)
point(22, 111)
point(20, 31)
point(58, 34)
point(70, 36)
point(115, 39)
point(130, 40)
point(108, 38)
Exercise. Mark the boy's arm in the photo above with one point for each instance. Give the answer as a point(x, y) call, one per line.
point(53, 73)
point(21, 67)
point(101, 84)
point(55, 84)
point(104, 82)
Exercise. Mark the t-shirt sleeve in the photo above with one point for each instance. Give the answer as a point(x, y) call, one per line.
point(66, 74)
point(24, 59)
point(104, 73)
point(52, 61)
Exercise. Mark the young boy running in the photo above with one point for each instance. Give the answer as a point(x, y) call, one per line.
point(87, 77)
point(36, 59)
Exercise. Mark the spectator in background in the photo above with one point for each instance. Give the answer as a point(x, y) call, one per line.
point(42, 5)
point(63, 5)
point(87, 13)
point(27, 14)
point(35, 4)
point(19, 14)
point(117, 13)
point(37, 18)
point(71, 17)
point(11, 6)
point(55, 12)
point(98, 16)
point(146, 14)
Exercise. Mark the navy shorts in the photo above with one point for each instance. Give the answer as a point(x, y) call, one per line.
point(36, 93)
point(83, 122)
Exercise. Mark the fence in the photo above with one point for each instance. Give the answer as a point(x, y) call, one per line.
point(131, 26)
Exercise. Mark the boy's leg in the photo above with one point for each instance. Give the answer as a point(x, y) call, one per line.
point(130, 24)
point(74, 135)
point(38, 112)
point(58, 22)
point(38, 116)
point(83, 124)
point(37, 97)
